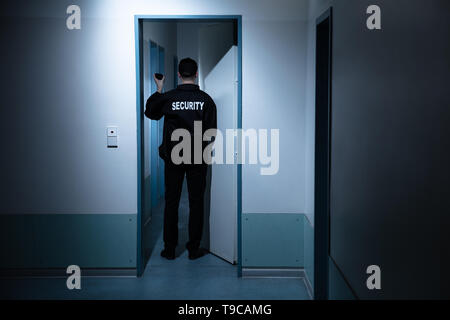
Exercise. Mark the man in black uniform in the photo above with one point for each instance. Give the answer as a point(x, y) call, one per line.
point(180, 108)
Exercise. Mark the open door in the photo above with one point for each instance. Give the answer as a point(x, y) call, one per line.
point(221, 84)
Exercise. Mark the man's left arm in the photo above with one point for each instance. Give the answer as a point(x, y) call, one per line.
point(210, 116)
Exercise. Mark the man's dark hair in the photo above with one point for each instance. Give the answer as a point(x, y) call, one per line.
point(187, 68)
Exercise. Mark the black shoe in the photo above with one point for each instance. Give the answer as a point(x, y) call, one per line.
point(198, 253)
point(168, 253)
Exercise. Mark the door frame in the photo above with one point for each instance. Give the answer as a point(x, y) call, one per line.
point(160, 167)
point(323, 173)
point(138, 32)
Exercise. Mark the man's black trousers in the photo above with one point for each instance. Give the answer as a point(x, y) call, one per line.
point(196, 183)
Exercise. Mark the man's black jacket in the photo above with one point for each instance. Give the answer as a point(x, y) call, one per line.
point(180, 107)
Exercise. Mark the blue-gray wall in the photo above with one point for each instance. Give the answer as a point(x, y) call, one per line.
point(390, 173)
point(61, 89)
point(65, 197)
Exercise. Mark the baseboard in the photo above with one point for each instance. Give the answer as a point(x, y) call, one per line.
point(273, 273)
point(56, 241)
point(308, 285)
point(338, 286)
point(61, 273)
point(272, 240)
point(295, 273)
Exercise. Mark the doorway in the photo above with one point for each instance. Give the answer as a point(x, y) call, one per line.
point(223, 200)
point(322, 155)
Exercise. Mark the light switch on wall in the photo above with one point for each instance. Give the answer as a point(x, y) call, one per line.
point(112, 136)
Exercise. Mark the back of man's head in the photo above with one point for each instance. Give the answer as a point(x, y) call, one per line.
point(188, 68)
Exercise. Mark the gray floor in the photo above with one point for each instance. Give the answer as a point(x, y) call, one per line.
point(206, 278)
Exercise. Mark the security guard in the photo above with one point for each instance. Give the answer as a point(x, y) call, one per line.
point(180, 108)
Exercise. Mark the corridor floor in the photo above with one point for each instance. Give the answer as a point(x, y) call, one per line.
point(181, 279)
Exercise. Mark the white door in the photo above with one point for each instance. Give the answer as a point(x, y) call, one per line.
point(221, 85)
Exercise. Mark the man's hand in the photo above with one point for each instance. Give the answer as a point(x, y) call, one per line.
point(159, 83)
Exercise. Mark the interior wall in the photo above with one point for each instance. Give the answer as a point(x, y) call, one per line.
point(66, 86)
point(187, 42)
point(274, 79)
point(103, 52)
point(390, 155)
point(64, 89)
point(215, 40)
point(206, 43)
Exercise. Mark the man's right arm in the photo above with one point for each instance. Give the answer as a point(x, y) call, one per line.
point(154, 106)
